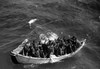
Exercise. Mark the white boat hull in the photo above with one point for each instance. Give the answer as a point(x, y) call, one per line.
point(26, 59)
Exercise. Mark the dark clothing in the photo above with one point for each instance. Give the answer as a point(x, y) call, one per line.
point(45, 49)
point(26, 50)
point(38, 53)
point(50, 50)
point(68, 49)
point(33, 52)
point(30, 51)
point(59, 47)
point(42, 54)
point(57, 50)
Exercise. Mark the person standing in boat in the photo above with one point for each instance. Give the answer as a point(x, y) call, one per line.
point(26, 49)
point(41, 52)
point(67, 49)
point(57, 49)
point(30, 51)
point(75, 43)
point(50, 50)
point(45, 50)
point(36, 48)
point(33, 51)
point(60, 46)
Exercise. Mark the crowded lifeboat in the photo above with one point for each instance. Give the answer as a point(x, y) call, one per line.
point(49, 49)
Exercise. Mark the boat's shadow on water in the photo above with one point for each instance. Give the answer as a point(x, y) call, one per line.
point(14, 60)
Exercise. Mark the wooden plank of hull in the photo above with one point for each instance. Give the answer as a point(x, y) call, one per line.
point(34, 60)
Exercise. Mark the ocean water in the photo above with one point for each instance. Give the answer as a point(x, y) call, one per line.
point(14, 28)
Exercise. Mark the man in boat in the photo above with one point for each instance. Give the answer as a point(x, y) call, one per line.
point(41, 52)
point(50, 50)
point(32, 51)
point(66, 48)
point(56, 49)
point(26, 49)
point(36, 50)
point(45, 50)
point(61, 46)
point(75, 43)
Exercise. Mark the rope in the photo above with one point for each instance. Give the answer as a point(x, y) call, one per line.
point(41, 27)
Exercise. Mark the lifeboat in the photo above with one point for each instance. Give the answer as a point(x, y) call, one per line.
point(36, 60)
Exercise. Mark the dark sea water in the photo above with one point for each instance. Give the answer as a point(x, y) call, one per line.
point(72, 18)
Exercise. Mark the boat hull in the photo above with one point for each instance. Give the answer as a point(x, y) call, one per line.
point(28, 60)
point(34, 60)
